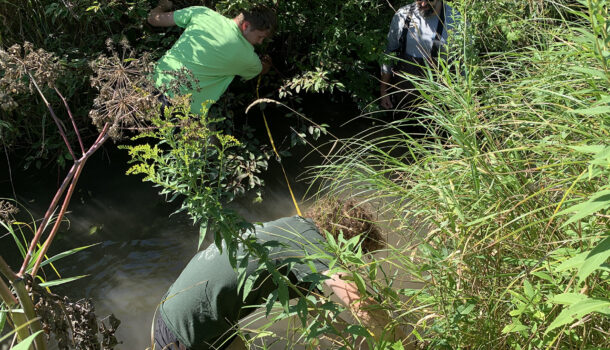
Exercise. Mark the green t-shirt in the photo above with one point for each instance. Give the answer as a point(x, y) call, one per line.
point(204, 302)
point(213, 48)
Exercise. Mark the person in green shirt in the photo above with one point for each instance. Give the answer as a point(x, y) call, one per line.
point(212, 48)
point(201, 309)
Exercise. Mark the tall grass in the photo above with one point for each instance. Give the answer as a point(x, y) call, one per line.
point(507, 148)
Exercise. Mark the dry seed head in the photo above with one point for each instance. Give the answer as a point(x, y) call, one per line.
point(126, 99)
point(17, 64)
point(7, 211)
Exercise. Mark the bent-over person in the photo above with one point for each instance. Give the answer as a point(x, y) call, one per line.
point(202, 308)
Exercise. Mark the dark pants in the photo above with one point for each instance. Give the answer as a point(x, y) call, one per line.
point(164, 338)
point(404, 96)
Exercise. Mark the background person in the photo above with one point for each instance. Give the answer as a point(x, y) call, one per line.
point(202, 307)
point(417, 34)
point(213, 48)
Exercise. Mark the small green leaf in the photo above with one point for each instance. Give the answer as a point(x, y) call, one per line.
point(360, 283)
point(27, 342)
point(568, 298)
point(357, 330)
point(543, 276)
point(514, 327)
point(528, 289)
point(593, 110)
point(283, 295)
point(573, 262)
point(599, 201)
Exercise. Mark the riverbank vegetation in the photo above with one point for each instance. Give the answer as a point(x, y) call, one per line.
point(496, 185)
point(503, 195)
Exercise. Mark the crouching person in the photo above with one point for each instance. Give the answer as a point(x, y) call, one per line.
point(201, 309)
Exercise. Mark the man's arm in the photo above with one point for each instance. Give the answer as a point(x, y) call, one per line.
point(386, 102)
point(393, 44)
point(267, 63)
point(161, 16)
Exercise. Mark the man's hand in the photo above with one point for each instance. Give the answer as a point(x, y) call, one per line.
point(267, 63)
point(161, 16)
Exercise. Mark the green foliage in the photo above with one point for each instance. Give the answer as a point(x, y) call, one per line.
point(203, 168)
point(504, 199)
point(322, 46)
point(317, 316)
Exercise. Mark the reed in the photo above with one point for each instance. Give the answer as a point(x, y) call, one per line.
point(513, 143)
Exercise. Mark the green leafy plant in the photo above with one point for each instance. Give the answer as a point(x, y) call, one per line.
point(507, 146)
point(203, 168)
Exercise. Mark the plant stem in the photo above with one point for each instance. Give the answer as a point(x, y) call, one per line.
point(80, 140)
point(45, 220)
point(12, 303)
point(30, 313)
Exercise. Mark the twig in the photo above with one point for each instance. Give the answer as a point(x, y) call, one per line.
point(10, 172)
point(60, 127)
point(103, 136)
point(45, 220)
point(80, 141)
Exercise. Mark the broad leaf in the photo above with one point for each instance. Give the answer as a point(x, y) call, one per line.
point(599, 201)
point(27, 342)
point(595, 259)
point(568, 298)
point(578, 311)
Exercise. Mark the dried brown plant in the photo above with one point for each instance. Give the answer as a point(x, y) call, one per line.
point(74, 325)
point(126, 96)
point(17, 63)
point(7, 210)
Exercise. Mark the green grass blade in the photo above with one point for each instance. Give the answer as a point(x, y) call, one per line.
point(64, 254)
point(61, 281)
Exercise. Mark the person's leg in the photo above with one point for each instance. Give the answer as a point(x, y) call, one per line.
point(164, 338)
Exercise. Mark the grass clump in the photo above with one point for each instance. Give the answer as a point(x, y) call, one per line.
point(509, 184)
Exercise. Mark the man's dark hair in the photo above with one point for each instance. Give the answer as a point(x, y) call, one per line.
point(261, 18)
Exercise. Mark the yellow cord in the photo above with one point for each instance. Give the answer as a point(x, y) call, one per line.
point(276, 153)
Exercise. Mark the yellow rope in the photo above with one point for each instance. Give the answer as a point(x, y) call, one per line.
point(276, 152)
